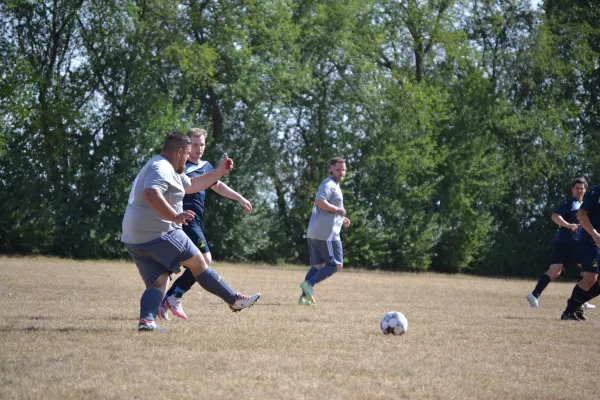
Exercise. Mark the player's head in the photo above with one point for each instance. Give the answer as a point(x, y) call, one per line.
point(337, 168)
point(579, 187)
point(198, 137)
point(176, 149)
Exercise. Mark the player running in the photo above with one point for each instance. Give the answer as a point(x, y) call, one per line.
point(565, 246)
point(323, 234)
point(152, 231)
point(194, 167)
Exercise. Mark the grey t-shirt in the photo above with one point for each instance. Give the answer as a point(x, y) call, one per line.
point(325, 225)
point(141, 223)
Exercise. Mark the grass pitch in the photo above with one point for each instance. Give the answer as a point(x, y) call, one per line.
point(68, 330)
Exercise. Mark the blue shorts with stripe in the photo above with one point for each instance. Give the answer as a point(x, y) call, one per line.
point(195, 233)
point(325, 251)
point(162, 255)
point(590, 256)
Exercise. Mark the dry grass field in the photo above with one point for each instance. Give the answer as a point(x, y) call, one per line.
point(68, 331)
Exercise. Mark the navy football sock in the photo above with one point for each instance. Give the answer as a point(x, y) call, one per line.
point(593, 292)
point(149, 304)
point(212, 282)
point(578, 297)
point(541, 285)
point(311, 272)
point(324, 273)
point(182, 284)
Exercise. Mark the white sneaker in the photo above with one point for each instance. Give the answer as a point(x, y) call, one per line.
point(588, 306)
point(173, 303)
point(533, 301)
point(163, 312)
point(242, 301)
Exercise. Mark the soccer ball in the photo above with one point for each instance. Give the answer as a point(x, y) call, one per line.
point(395, 323)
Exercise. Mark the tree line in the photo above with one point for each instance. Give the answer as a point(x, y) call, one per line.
point(463, 122)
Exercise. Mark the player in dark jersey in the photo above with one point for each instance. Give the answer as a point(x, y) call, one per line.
point(589, 240)
point(565, 246)
point(195, 166)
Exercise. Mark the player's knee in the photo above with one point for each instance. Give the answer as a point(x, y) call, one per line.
point(207, 258)
point(554, 270)
point(161, 282)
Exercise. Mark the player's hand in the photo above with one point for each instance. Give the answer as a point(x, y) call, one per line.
point(573, 227)
point(340, 211)
point(346, 222)
point(226, 165)
point(245, 204)
point(183, 217)
point(596, 238)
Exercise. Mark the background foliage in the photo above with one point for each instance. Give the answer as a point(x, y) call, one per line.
point(489, 106)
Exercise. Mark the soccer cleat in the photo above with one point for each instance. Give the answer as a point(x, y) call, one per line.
point(243, 301)
point(533, 301)
point(173, 304)
point(149, 326)
point(163, 312)
point(307, 289)
point(569, 316)
point(303, 301)
point(588, 306)
point(580, 315)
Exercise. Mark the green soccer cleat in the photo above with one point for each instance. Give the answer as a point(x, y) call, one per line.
point(303, 301)
point(307, 289)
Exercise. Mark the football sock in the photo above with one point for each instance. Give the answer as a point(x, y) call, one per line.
point(182, 284)
point(311, 272)
point(541, 285)
point(212, 282)
point(578, 297)
point(149, 304)
point(593, 292)
point(322, 274)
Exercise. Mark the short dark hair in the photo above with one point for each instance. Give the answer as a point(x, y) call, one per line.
point(336, 160)
point(175, 141)
point(581, 179)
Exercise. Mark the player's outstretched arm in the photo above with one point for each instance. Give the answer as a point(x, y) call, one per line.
point(228, 192)
point(203, 182)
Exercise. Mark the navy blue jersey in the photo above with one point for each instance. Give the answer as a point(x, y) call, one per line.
point(195, 201)
point(568, 210)
point(591, 204)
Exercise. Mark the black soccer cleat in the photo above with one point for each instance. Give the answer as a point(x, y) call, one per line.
point(580, 315)
point(569, 316)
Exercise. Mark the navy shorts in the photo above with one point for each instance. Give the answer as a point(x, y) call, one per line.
point(197, 236)
point(590, 256)
point(566, 253)
point(162, 255)
point(325, 251)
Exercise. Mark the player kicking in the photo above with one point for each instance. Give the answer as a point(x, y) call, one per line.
point(565, 246)
point(588, 287)
point(152, 231)
point(195, 166)
point(323, 234)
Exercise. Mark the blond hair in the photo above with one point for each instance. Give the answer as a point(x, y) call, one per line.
point(197, 132)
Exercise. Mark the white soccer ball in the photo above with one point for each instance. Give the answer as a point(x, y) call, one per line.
point(394, 323)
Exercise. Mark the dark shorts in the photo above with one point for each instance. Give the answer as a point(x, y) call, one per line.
point(197, 236)
point(590, 256)
point(324, 251)
point(566, 253)
point(162, 255)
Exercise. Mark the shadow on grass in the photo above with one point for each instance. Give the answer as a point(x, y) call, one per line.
point(64, 329)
